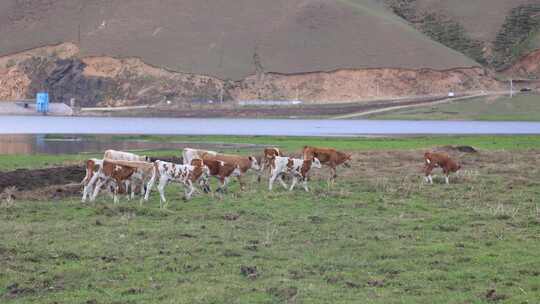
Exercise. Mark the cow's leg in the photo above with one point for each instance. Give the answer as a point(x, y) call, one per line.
point(304, 183)
point(142, 192)
point(161, 188)
point(223, 182)
point(149, 185)
point(242, 185)
point(116, 187)
point(99, 183)
point(280, 178)
point(446, 173)
point(294, 181)
point(89, 187)
point(271, 181)
point(188, 190)
point(427, 170)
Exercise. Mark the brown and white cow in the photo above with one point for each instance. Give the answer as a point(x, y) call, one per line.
point(92, 166)
point(140, 177)
point(187, 175)
point(327, 156)
point(244, 163)
point(442, 160)
point(295, 168)
point(222, 171)
point(111, 172)
point(269, 154)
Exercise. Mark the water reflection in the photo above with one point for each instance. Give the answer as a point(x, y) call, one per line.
point(40, 144)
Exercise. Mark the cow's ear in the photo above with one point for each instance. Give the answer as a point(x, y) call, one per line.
point(250, 158)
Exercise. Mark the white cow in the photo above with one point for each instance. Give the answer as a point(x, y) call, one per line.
point(189, 154)
point(187, 175)
point(295, 168)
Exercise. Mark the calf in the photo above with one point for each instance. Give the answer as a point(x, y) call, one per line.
point(433, 160)
point(269, 154)
point(92, 166)
point(327, 156)
point(222, 171)
point(187, 175)
point(139, 177)
point(244, 163)
point(294, 167)
point(111, 172)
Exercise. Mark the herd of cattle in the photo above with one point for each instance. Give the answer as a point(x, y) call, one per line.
point(129, 171)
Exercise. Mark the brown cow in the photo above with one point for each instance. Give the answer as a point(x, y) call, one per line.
point(327, 156)
point(110, 172)
point(267, 161)
point(222, 171)
point(442, 160)
point(244, 163)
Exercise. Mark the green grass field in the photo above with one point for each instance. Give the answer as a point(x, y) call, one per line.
point(519, 108)
point(378, 236)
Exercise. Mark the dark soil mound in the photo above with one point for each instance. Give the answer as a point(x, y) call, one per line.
point(24, 179)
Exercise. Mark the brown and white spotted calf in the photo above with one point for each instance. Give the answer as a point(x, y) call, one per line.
point(267, 161)
point(111, 172)
point(187, 175)
point(295, 168)
point(442, 160)
point(222, 171)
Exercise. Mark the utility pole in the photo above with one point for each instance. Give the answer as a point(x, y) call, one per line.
point(511, 88)
point(221, 94)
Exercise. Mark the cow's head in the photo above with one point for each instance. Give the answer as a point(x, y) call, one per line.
point(254, 163)
point(197, 162)
point(348, 158)
point(316, 163)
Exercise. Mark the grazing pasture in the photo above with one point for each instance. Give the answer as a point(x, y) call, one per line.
point(379, 235)
point(522, 107)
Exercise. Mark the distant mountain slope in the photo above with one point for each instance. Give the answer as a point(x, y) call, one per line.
point(482, 19)
point(493, 32)
point(228, 39)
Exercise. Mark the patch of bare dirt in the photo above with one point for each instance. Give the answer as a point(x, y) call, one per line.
point(527, 66)
point(493, 296)
point(249, 272)
point(363, 84)
point(25, 179)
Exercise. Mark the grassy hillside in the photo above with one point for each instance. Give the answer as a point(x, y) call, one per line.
point(493, 32)
point(518, 108)
point(228, 39)
point(379, 235)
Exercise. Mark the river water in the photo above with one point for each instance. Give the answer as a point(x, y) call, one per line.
point(248, 127)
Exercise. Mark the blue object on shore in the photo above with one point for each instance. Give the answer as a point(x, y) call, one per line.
point(42, 102)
